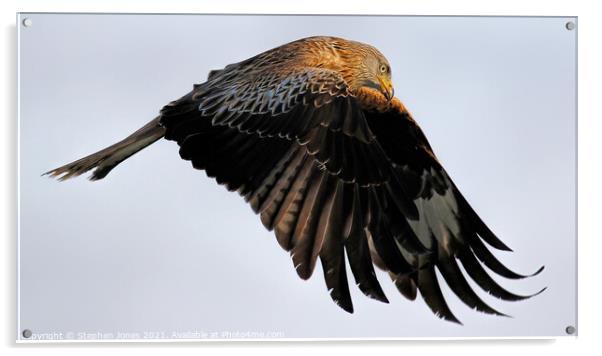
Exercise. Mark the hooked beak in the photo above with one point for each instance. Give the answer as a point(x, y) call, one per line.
point(386, 87)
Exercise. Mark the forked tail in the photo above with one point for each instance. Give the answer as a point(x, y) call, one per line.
point(105, 160)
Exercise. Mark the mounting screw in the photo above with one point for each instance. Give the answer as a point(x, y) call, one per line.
point(27, 333)
point(570, 330)
point(570, 25)
point(27, 22)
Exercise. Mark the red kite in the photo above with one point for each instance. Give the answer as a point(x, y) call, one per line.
point(310, 134)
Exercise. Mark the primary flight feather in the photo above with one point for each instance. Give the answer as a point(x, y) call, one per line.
point(311, 135)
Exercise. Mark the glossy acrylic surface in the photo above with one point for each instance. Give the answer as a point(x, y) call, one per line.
point(158, 250)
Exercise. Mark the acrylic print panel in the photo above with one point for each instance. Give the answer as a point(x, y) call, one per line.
point(158, 250)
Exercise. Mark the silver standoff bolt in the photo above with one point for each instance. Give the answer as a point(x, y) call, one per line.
point(570, 25)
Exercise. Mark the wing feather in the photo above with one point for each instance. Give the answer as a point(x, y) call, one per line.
point(306, 244)
point(332, 252)
point(358, 250)
point(431, 293)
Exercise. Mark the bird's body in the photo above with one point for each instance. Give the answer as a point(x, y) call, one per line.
point(309, 133)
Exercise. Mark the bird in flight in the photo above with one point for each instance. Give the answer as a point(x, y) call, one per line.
point(311, 135)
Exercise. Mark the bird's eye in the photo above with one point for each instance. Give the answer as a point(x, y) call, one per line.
point(383, 68)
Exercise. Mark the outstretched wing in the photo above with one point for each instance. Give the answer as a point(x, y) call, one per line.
point(333, 182)
point(447, 225)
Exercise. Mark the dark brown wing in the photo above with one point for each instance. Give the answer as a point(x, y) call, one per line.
point(298, 147)
point(447, 225)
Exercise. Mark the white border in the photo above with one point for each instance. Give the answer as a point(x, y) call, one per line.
point(18, 88)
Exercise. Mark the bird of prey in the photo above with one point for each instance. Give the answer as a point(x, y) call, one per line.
point(311, 135)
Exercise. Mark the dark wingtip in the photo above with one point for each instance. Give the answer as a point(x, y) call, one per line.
point(521, 276)
point(380, 296)
point(451, 318)
point(538, 293)
point(495, 242)
point(345, 305)
point(303, 272)
point(406, 287)
point(373, 292)
point(516, 297)
point(487, 309)
point(504, 247)
point(485, 256)
point(498, 313)
point(537, 272)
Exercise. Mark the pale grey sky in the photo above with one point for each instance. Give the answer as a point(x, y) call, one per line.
point(158, 247)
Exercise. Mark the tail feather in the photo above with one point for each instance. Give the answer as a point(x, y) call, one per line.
point(107, 159)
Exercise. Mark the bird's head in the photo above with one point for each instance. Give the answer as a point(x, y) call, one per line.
point(378, 75)
point(370, 69)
